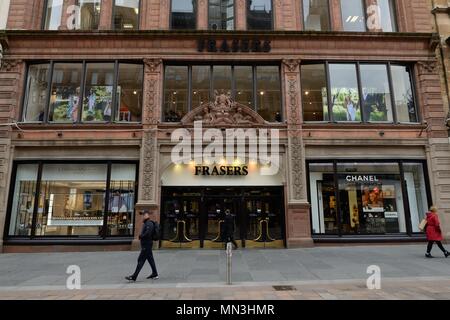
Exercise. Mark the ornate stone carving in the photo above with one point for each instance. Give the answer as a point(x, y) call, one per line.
point(296, 167)
point(293, 99)
point(292, 64)
point(149, 160)
point(429, 66)
point(10, 65)
point(152, 78)
point(225, 112)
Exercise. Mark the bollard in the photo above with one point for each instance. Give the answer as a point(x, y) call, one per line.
point(229, 256)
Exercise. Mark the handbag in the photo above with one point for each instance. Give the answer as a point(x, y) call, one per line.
point(423, 225)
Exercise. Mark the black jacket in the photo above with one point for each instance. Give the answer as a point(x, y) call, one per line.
point(146, 235)
point(228, 226)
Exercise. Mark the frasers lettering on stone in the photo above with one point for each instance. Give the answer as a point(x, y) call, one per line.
point(221, 171)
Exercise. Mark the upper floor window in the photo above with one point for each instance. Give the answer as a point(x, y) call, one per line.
point(72, 92)
point(316, 15)
point(358, 92)
point(184, 14)
point(188, 87)
point(378, 16)
point(126, 14)
point(67, 15)
point(259, 15)
point(221, 14)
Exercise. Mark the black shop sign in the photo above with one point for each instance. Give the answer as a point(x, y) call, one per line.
point(234, 45)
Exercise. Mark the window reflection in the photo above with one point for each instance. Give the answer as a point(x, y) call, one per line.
point(222, 79)
point(176, 93)
point(37, 90)
point(268, 93)
point(316, 15)
point(376, 97)
point(129, 93)
point(244, 85)
point(200, 85)
point(221, 14)
point(98, 92)
point(353, 15)
point(65, 93)
point(126, 14)
point(404, 95)
point(314, 92)
point(344, 93)
point(183, 14)
point(259, 15)
point(53, 14)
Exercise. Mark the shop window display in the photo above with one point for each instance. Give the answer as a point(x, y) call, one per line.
point(36, 93)
point(23, 200)
point(367, 198)
point(74, 200)
point(65, 92)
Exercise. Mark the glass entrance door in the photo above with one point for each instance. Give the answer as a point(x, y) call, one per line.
point(194, 218)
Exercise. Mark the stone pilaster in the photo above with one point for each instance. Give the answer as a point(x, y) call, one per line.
point(439, 147)
point(298, 213)
point(106, 12)
point(241, 15)
point(202, 15)
point(148, 179)
point(10, 81)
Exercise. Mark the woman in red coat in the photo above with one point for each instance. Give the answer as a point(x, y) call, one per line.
point(434, 233)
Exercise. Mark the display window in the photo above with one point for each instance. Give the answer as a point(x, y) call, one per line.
point(74, 200)
point(376, 198)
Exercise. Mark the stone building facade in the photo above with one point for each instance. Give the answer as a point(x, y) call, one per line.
point(91, 93)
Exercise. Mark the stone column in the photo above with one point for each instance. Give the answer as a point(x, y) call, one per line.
point(241, 15)
point(10, 83)
point(298, 209)
point(287, 15)
point(202, 15)
point(336, 16)
point(106, 12)
point(432, 108)
point(148, 175)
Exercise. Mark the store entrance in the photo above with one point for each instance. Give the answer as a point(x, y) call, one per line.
point(194, 217)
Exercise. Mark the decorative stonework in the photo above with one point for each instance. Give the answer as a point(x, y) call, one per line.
point(10, 65)
point(151, 83)
point(292, 65)
point(148, 166)
point(296, 159)
point(223, 111)
point(429, 66)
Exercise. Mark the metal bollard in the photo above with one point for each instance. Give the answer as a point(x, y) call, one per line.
point(229, 258)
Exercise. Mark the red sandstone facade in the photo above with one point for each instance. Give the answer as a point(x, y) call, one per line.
point(155, 45)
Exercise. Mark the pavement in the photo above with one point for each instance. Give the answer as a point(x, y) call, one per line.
point(322, 273)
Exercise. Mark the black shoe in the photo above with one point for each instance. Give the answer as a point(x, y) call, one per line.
point(429, 256)
point(130, 278)
point(153, 277)
point(447, 254)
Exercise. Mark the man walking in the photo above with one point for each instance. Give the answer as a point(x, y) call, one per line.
point(149, 230)
point(228, 230)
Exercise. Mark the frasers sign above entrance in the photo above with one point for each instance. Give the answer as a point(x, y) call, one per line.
point(211, 151)
point(362, 179)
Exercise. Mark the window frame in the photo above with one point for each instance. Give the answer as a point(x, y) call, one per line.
point(329, 17)
point(114, 13)
point(254, 66)
point(104, 233)
point(171, 16)
point(272, 28)
point(388, 64)
point(234, 18)
point(406, 203)
point(84, 63)
point(366, 29)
